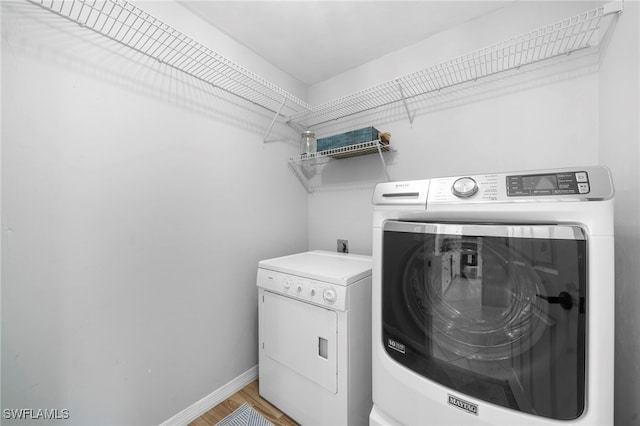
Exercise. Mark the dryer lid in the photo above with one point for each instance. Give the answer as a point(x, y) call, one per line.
point(335, 268)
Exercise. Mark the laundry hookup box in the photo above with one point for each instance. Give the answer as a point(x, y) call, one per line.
point(353, 137)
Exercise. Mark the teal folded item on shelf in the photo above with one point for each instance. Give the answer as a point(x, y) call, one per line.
point(353, 137)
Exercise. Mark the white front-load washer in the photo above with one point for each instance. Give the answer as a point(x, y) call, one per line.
point(493, 299)
point(314, 313)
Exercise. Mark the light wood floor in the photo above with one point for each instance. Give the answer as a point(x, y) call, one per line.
point(250, 395)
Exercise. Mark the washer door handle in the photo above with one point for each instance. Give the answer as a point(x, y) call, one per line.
point(563, 299)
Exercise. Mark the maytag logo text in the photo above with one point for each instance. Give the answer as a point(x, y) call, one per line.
point(462, 404)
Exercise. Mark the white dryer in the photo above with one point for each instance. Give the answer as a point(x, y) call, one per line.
point(315, 336)
point(493, 299)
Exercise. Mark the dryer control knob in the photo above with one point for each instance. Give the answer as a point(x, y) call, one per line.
point(464, 187)
point(329, 295)
point(299, 288)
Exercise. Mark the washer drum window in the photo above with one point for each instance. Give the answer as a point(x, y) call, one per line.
point(495, 312)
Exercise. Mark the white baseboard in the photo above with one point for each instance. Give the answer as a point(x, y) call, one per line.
point(194, 411)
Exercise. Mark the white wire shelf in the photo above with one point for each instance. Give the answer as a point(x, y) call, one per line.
point(133, 27)
point(354, 150)
point(559, 39)
point(298, 162)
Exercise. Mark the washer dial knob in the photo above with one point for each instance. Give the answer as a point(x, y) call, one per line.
point(329, 295)
point(464, 187)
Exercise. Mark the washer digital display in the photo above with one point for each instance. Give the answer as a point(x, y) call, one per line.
point(548, 184)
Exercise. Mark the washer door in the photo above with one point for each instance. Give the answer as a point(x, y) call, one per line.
point(301, 337)
point(494, 312)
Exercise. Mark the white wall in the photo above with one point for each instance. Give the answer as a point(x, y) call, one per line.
point(136, 205)
point(619, 118)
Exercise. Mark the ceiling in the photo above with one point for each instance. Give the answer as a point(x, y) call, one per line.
point(316, 40)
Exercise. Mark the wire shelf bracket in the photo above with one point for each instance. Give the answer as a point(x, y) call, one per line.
point(275, 118)
point(406, 106)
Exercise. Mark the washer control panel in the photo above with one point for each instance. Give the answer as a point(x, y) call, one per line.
point(588, 183)
point(305, 289)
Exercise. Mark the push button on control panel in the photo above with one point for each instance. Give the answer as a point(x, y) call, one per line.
point(583, 188)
